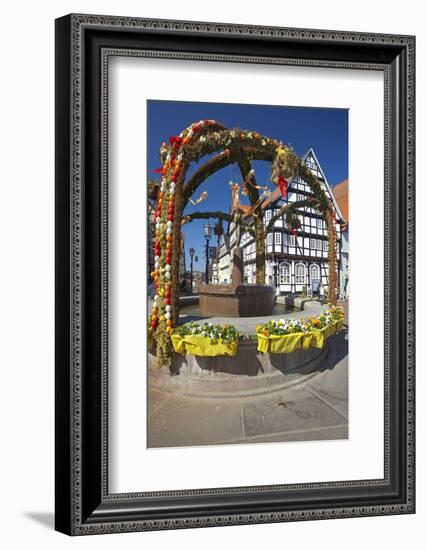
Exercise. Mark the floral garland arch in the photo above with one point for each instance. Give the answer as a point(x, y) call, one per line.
point(198, 139)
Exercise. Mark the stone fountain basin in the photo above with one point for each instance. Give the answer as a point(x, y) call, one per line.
point(249, 373)
point(236, 300)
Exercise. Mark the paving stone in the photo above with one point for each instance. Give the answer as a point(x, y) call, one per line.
point(321, 434)
point(332, 389)
point(156, 399)
point(289, 411)
point(332, 384)
point(187, 421)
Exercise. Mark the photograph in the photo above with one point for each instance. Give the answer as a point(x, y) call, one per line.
point(234, 271)
point(248, 279)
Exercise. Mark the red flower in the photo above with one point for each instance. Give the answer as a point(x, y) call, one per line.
point(175, 141)
point(293, 231)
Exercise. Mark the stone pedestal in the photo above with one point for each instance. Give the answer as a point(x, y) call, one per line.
point(236, 300)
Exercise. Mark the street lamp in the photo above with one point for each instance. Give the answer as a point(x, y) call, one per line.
point(207, 234)
point(191, 253)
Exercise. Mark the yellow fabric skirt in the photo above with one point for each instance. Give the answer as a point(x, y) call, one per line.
point(283, 344)
point(320, 335)
point(339, 325)
point(195, 344)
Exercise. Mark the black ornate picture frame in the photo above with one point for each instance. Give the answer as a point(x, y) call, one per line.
point(84, 44)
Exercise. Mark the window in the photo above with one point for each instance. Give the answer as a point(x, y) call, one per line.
point(325, 246)
point(269, 238)
point(277, 211)
point(300, 272)
point(284, 273)
point(291, 240)
point(315, 244)
point(278, 238)
point(268, 215)
point(315, 272)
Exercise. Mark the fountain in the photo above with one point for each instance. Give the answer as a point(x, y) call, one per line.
point(237, 299)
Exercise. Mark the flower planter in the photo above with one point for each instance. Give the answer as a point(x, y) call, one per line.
point(320, 335)
point(283, 343)
point(202, 346)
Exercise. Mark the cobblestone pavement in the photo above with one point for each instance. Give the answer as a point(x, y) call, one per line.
point(313, 410)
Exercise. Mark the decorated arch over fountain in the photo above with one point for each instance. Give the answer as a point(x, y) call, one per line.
point(207, 137)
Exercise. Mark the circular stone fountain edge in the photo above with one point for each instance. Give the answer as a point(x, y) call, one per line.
point(248, 374)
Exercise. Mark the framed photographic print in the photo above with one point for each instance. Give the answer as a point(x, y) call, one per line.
point(234, 274)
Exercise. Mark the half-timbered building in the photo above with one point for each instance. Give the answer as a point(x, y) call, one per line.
point(294, 263)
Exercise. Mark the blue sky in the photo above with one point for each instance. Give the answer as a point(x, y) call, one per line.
point(325, 130)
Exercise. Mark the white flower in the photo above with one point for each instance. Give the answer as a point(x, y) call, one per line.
point(168, 316)
point(168, 275)
point(168, 267)
point(169, 231)
point(169, 224)
point(168, 308)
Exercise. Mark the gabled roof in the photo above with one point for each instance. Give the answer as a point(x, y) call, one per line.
point(333, 198)
point(340, 192)
point(276, 193)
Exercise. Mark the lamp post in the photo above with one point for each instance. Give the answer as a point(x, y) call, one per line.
point(192, 253)
point(207, 234)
